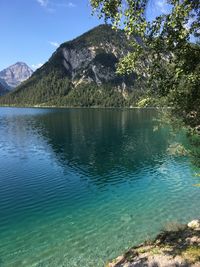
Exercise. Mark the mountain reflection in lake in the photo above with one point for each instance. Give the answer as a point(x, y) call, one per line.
point(79, 186)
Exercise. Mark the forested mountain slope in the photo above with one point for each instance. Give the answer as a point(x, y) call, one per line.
point(81, 72)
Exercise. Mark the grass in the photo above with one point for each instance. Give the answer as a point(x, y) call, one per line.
point(191, 254)
point(152, 250)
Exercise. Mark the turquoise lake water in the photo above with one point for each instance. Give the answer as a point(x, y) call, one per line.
point(80, 186)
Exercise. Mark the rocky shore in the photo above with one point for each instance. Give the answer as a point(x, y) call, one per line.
point(177, 247)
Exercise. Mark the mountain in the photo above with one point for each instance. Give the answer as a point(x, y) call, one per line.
point(16, 74)
point(3, 87)
point(81, 72)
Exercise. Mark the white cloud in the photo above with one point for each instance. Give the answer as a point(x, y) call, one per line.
point(50, 5)
point(189, 23)
point(43, 3)
point(36, 66)
point(70, 4)
point(55, 44)
point(161, 5)
point(64, 4)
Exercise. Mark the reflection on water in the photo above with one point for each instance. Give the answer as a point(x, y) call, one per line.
point(79, 186)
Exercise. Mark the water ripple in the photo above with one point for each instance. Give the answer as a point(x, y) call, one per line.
point(78, 187)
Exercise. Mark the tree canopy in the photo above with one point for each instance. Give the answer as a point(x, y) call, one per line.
point(162, 53)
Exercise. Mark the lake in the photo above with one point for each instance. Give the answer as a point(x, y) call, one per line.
point(80, 186)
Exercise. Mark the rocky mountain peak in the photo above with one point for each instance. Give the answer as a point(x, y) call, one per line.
point(92, 57)
point(16, 74)
point(81, 72)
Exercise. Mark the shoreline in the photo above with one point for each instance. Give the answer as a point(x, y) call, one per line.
point(72, 107)
point(178, 246)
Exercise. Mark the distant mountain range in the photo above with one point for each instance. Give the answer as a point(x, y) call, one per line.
point(81, 72)
point(14, 75)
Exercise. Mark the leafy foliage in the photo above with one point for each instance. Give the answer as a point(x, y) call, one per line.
point(165, 55)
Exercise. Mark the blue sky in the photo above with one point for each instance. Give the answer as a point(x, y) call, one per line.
point(31, 30)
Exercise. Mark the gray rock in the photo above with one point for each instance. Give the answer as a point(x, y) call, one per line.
point(15, 74)
point(4, 88)
point(195, 224)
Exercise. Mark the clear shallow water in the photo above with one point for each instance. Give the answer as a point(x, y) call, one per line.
point(80, 186)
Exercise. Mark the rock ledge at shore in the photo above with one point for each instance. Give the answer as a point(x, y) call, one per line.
point(178, 247)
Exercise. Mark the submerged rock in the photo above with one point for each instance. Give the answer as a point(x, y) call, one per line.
point(197, 129)
point(177, 149)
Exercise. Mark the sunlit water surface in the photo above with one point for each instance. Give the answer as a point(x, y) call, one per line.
point(80, 186)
